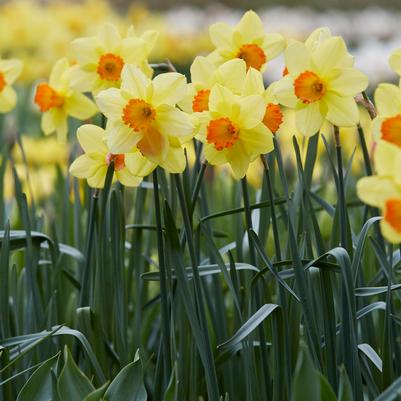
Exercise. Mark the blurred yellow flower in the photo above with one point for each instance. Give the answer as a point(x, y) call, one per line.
point(129, 168)
point(57, 100)
point(9, 72)
point(143, 114)
point(247, 41)
point(395, 61)
point(233, 131)
point(320, 84)
point(101, 58)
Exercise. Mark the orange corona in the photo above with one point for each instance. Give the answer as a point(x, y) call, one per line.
point(391, 130)
point(2, 81)
point(201, 101)
point(392, 213)
point(222, 133)
point(47, 98)
point(253, 55)
point(309, 87)
point(273, 117)
point(110, 66)
point(118, 159)
point(138, 114)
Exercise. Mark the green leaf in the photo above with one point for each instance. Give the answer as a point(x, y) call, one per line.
point(344, 388)
point(72, 383)
point(326, 392)
point(97, 394)
point(128, 384)
point(369, 291)
point(39, 385)
point(306, 384)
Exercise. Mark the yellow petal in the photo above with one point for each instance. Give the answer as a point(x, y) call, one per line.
point(273, 45)
point(97, 180)
point(128, 179)
point(168, 88)
point(341, 111)
point(376, 127)
point(121, 138)
point(257, 141)
point(253, 83)
point(309, 119)
point(110, 38)
point(250, 27)
point(395, 61)
point(222, 100)
point(348, 82)
point(91, 138)
point(134, 81)
point(79, 106)
point(56, 79)
point(252, 110)
point(330, 54)
point(84, 166)
point(385, 156)
point(221, 35)
point(85, 51)
point(8, 99)
point(239, 160)
point(375, 190)
point(202, 71)
point(297, 58)
point(175, 160)
point(174, 122)
point(316, 37)
point(139, 165)
point(82, 81)
point(213, 156)
point(388, 100)
point(111, 103)
point(283, 91)
point(389, 233)
point(11, 69)
point(232, 75)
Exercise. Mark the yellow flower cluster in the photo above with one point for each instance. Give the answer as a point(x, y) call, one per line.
point(383, 190)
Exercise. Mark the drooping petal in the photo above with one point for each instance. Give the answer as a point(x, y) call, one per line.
point(341, 111)
point(171, 121)
point(80, 106)
point(348, 82)
point(297, 58)
point(91, 138)
point(111, 103)
point(175, 160)
point(388, 100)
point(48, 122)
point(97, 180)
point(122, 139)
point(128, 179)
point(84, 166)
point(169, 88)
point(139, 165)
point(309, 119)
point(239, 160)
point(8, 99)
point(213, 156)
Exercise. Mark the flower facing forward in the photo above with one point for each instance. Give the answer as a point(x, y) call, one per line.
point(321, 84)
point(387, 124)
point(233, 131)
point(9, 72)
point(57, 100)
point(129, 168)
point(100, 59)
point(384, 189)
point(247, 41)
point(142, 114)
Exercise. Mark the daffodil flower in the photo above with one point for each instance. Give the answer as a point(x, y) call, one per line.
point(387, 124)
point(384, 189)
point(57, 100)
point(142, 114)
point(321, 84)
point(395, 61)
point(129, 168)
point(233, 130)
point(101, 58)
point(9, 72)
point(247, 41)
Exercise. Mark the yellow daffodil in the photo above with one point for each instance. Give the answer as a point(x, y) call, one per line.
point(129, 168)
point(142, 113)
point(9, 72)
point(384, 189)
point(321, 84)
point(387, 124)
point(233, 130)
point(395, 61)
point(100, 59)
point(57, 100)
point(247, 41)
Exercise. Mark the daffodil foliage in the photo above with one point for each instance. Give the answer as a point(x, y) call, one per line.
point(216, 236)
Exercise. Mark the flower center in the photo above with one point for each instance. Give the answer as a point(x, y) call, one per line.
point(253, 55)
point(201, 100)
point(309, 87)
point(138, 114)
point(391, 130)
point(392, 213)
point(118, 159)
point(273, 117)
point(222, 133)
point(110, 66)
point(47, 98)
point(2, 81)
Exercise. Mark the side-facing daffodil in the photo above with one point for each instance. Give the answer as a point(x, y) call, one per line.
point(384, 189)
point(247, 41)
point(143, 114)
point(101, 58)
point(57, 100)
point(321, 84)
point(233, 130)
point(9, 71)
point(129, 168)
